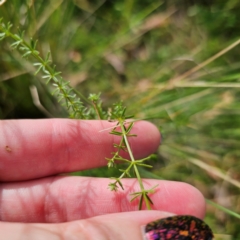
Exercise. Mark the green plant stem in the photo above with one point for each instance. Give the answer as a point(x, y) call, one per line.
point(76, 109)
point(97, 110)
point(135, 167)
point(30, 50)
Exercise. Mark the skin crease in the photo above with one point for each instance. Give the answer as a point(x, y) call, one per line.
point(32, 194)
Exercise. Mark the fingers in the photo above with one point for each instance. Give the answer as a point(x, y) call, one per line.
point(33, 149)
point(119, 226)
point(61, 199)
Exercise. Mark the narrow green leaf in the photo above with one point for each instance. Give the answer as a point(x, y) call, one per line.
point(226, 210)
point(149, 199)
point(26, 54)
point(116, 133)
point(120, 184)
point(135, 197)
point(144, 165)
point(2, 35)
point(140, 203)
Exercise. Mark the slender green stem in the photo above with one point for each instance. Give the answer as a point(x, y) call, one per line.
point(66, 91)
point(134, 166)
point(76, 109)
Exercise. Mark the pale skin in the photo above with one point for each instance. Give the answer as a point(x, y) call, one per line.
point(36, 202)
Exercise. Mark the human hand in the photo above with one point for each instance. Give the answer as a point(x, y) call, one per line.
point(33, 154)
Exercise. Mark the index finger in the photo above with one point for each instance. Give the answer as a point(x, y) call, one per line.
point(38, 148)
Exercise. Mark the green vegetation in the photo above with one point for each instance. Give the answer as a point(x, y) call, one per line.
point(77, 110)
point(175, 63)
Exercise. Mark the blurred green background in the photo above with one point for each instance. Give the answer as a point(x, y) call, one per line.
point(156, 56)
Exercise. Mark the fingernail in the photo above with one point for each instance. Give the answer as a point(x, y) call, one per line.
point(179, 227)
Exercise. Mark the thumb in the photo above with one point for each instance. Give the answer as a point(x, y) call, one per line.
point(117, 226)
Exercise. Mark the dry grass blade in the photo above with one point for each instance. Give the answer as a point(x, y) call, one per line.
point(37, 103)
point(173, 81)
point(214, 171)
